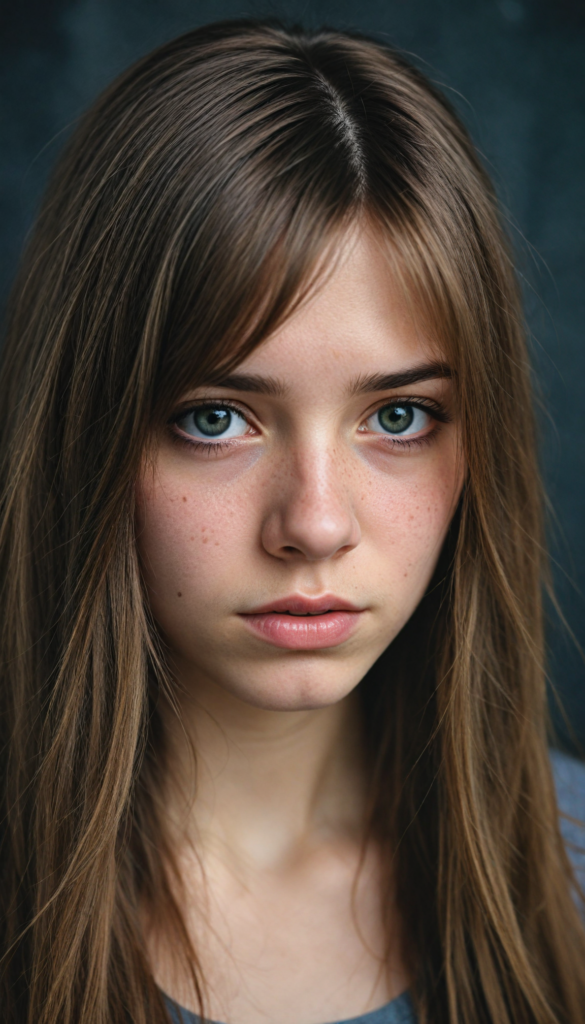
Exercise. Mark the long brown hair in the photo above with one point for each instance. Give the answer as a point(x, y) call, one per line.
point(188, 215)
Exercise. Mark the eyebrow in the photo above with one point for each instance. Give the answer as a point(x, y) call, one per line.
point(400, 379)
point(252, 382)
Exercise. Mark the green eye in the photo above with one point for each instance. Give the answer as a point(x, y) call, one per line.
point(398, 419)
point(207, 422)
point(212, 422)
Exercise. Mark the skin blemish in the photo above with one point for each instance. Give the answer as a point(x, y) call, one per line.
point(179, 594)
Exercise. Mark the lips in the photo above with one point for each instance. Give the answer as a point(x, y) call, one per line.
point(304, 623)
point(297, 604)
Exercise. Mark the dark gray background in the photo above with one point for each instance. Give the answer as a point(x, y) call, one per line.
point(515, 69)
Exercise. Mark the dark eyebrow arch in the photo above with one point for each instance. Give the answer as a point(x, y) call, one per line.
point(256, 384)
point(400, 379)
point(251, 382)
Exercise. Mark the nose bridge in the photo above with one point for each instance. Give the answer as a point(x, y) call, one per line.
point(312, 508)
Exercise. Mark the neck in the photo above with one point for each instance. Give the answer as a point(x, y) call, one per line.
point(265, 786)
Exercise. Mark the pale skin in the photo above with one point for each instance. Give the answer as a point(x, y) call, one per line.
point(310, 494)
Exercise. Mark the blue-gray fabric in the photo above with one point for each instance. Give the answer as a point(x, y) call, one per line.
point(399, 1011)
point(570, 782)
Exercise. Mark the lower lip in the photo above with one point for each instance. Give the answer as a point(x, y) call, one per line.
point(303, 633)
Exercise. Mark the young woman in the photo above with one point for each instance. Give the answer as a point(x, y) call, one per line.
point(274, 737)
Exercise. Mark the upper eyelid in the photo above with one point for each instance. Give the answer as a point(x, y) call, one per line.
point(421, 402)
point(187, 406)
point(220, 403)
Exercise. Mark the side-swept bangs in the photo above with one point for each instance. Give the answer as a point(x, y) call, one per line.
point(197, 204)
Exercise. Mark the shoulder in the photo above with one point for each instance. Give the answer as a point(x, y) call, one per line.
point(569, 776)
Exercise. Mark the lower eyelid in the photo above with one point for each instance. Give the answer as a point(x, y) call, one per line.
point(195, 444)
point(396, 441)
point(416, 440)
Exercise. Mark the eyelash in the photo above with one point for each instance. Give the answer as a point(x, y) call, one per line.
point(428, 405)
point(204, 446)
point(436, 410)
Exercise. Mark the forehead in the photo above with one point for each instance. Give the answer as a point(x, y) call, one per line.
point(359, 321)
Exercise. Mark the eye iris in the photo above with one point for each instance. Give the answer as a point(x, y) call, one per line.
point(396, 418)
point(212, 421)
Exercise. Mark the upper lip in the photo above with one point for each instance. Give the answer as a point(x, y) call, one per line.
point(297, 604)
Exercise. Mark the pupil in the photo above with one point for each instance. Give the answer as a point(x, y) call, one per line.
point(396, 418)
point(212, 421)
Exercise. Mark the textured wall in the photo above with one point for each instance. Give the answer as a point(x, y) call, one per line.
point(516, 72)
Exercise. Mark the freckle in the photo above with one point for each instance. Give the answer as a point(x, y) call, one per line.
point(179, 594)
point(184, 498)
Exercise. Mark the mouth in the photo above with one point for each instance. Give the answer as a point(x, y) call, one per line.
point(304, 623)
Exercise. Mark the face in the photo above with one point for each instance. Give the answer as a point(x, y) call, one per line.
point(289, 520)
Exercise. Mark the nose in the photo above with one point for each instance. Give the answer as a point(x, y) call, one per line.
point(311, 513)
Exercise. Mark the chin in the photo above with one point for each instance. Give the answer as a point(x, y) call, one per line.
point(297, 691)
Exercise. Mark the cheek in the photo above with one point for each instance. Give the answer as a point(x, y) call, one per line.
point(187, 540)
point(408, 515)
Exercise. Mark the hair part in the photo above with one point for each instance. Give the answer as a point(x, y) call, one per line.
point(195, 206)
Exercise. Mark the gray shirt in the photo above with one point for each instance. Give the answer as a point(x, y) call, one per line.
point(399, 1011)
point(570, 782)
